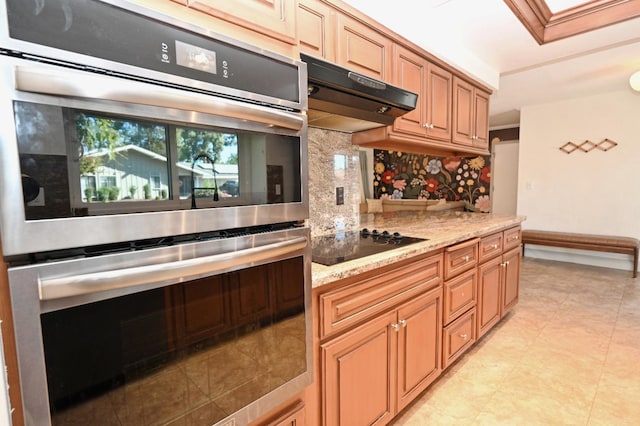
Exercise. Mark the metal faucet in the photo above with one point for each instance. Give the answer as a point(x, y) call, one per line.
point(205, 156)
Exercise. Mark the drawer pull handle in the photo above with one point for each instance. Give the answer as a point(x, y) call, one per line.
point(495, 246)
point(464, 336)
point(466, 258)
point(403, 323)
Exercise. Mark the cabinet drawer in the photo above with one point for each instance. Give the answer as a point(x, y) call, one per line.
point(382, 289)
point(459, 295)
point(458, 337)
point(512, 238)
point(460, 257)
point(490, 247)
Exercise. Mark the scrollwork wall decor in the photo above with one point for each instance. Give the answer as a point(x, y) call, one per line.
point(587, 146)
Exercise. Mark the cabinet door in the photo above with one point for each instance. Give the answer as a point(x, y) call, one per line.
point(273, 18)
point(316, 29)
point(463, 120)
point(438, 97)
point(511, 279)
point(419, 345)
point(363, 50)
point(481, 120)
point(359, 374)
point(489, 291)
point(410, 74)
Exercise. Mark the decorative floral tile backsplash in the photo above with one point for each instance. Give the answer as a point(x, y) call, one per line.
point(400, 175)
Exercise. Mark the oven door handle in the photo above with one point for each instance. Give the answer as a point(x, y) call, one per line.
point(82, 84)
point(95, 282)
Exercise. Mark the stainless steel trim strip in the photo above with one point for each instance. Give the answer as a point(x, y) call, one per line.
point(73, 83)
point(75, 285)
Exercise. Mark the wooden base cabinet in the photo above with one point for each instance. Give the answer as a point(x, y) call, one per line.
point(511, 279)
point(418, 346)
point(498, 278)
point(489, 291)
point(373, 371)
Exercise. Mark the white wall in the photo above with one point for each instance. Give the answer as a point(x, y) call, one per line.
point(596, 192)
point(504, 177)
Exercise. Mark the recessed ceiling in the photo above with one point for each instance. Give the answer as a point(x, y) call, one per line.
point(546, 26)
point(558, 5)
point(486, 40)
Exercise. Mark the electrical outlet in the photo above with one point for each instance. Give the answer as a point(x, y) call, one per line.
point(339, 195)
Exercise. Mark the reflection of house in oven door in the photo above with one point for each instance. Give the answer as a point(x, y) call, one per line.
point(129, 167)
point(275, 177)
point(226, 177)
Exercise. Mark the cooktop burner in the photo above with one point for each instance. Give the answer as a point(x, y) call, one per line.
point(343, 246)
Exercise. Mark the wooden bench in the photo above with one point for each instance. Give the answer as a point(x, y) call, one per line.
point(604, 243)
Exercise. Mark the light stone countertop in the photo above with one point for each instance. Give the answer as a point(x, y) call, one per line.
point(442, 229)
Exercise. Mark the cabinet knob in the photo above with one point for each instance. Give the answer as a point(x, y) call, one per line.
point(495, 246)
point(403, 323)
point(395, 326)
point(466, 258)
point(464, 336)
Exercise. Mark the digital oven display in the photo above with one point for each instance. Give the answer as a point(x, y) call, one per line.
point(195, 57)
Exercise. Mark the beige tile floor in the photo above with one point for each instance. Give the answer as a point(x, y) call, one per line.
point(568, 354)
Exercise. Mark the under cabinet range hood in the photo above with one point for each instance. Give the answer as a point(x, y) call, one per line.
point(344, 100)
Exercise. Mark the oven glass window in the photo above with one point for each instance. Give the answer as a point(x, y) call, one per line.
point(207, 163)
point(127, 158)
point(85, 163)
point(191, 353)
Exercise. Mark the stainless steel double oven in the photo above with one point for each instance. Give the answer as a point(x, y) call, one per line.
point(153, 206)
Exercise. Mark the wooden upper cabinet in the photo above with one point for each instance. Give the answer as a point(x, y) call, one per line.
point(433, 84)
point(438, 98)
point(362, 49)
point(273, 18)
point(470, 115)
point(481, 116)
point(411, 74)
point(316, 29)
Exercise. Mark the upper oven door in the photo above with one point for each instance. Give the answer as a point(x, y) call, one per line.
point(91, 159)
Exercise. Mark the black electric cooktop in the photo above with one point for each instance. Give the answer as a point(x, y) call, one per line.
point(343, 246)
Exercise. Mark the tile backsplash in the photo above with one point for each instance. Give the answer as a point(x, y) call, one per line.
point(402, 175)
point(334, 163)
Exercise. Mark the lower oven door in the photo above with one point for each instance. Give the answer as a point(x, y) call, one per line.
point(198, 333)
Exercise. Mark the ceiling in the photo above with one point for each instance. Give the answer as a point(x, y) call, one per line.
point(486, 40)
